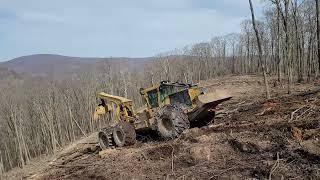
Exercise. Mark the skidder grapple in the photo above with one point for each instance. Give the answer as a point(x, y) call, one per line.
point(170, 108)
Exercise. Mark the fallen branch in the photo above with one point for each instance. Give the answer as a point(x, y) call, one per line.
point(292, 114)
point(264, 111)
point(67, 166)
point(274, 167)
point(303, 113)
point(240, 103)
point(172, 159)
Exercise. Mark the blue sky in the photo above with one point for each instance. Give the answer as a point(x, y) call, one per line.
point(105, 28)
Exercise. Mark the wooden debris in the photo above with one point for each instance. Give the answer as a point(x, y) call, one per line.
point(297, 134)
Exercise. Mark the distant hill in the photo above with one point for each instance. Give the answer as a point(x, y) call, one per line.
point(57, 65)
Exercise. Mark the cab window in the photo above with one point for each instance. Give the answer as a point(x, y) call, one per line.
point(166, 91)
point(153, 98)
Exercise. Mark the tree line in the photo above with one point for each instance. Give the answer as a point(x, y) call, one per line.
point(288, 33)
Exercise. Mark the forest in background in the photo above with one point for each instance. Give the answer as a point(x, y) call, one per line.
point(40, 115)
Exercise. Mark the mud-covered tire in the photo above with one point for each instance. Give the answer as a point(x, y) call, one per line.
point(124, 134)
point(105, 138)
point(171, 121)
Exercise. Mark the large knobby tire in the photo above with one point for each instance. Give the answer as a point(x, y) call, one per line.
point(105, 139)
point(171, 122)
point(124, 134)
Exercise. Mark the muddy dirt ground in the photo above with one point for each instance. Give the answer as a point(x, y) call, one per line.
point(250, 138)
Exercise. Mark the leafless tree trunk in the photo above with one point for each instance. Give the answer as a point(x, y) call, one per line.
point(318, 32)
point(278, 47)
point(260, 51)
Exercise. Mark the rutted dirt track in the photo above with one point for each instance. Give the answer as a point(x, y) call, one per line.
point(251, 138)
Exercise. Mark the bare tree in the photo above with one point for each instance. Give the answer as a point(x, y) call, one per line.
point(260, 51)
point(318, 32)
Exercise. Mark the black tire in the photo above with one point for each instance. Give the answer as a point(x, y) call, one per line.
point(171, 122)
point(105, 139)
point(204, 121)
point(124, 134)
